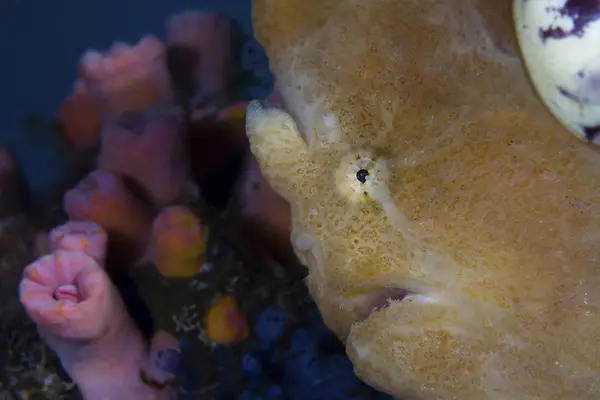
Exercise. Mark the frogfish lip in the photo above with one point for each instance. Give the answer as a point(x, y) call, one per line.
point(378, 300)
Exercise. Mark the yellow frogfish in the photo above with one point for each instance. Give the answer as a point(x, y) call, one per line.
point(449, 221)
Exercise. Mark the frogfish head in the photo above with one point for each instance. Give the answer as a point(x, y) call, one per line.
point(449, 221)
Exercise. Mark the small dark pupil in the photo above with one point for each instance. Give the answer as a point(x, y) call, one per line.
point(362, 175)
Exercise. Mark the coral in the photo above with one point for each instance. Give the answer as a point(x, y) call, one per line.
point(261, 204)
point(81, 316)
point(270, 325)
point(225, 322)
point(310, 372)
point(85, 236)
point(61, 289)
point(13, 189)
point(216, 147)
point(169, 360)
point(446, 218)
point(300, 370)
point(127, 78)
point(174, 304)
point(179, 239)
point(163, 363)
point(202, 47)
point(275, 392)
point(304, 341)
point(252, 365)
point(79, 118)
point(104, 198)
point(255, 197)
point(29, 368)
point(264, 217)
point(149, 148)
point(253, 369)
point(170, 280)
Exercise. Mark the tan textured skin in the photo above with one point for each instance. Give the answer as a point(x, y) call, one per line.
point(478, 201)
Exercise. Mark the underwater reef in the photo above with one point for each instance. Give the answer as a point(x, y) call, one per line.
point(163, 267)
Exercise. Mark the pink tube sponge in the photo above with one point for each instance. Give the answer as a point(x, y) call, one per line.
point(128, 78)
point(206, 42)
point(103, 197)
point(79, 118)
point(85, 236)
point(65, 292)
point(81, 316)
point(150, 150)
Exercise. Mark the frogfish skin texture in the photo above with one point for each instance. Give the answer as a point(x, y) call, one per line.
point(450, 223)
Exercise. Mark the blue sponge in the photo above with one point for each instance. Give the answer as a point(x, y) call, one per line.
point(304, 341)
point(316, 321)
point(251, 395)
point(251, 365)
point(275, 393)
point(337, 375)
point(270, 325)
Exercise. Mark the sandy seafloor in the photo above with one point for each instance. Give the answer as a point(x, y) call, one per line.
point(41, 43)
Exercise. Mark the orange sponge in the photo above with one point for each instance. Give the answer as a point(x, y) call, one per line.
point(226, 323)
point(179, 241)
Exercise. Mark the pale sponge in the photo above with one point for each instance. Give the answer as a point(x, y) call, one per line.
point(560, 43)
point(449, 222)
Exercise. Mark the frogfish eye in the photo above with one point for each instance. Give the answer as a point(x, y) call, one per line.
point(361, 175)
